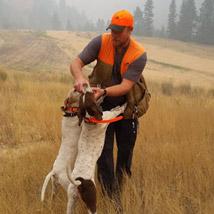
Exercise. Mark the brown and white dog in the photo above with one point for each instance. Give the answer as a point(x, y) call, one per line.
point(80, 149)
point(90, 146)
point(68, 149)
point(71, 130)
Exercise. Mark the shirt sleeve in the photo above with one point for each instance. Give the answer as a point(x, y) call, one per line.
point(136, 68)
point(91, 51)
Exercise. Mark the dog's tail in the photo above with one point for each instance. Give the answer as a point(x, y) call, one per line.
point(45, 184)
point(74, 182)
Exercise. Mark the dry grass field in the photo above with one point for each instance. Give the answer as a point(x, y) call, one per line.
point(173, 165)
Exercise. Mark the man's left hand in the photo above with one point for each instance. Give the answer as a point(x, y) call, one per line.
point(98, 92)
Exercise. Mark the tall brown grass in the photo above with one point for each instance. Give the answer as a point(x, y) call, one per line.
point(173, 165)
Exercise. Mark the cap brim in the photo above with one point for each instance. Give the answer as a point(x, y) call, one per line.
point(115, 28)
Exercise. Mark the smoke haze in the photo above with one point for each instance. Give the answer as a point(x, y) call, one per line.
point(103, 9)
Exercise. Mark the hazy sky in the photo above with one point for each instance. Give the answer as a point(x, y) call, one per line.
point(105, 8)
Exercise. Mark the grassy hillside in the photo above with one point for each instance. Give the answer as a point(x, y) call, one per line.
point(173, 61)
point(31, 51)
point(180, 62)
point(173, 160)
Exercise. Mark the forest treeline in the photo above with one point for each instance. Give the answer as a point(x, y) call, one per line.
point(185, 23)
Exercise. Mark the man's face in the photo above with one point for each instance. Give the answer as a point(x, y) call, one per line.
point(119, 39)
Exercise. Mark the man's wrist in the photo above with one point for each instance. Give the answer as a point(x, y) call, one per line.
point(104, 92)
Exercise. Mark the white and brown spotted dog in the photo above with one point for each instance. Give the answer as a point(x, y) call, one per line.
point(80, 149)
point(71, 130)
point(68, 149)
point(90, 146)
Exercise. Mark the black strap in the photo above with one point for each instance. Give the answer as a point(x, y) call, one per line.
point(70, 114)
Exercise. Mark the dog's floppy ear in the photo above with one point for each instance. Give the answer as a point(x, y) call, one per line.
point(81, 112)
point(92, 107)
point(97, 113)
point(66, 101)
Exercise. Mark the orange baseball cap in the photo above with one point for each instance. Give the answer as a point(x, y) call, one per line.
point(120, 20)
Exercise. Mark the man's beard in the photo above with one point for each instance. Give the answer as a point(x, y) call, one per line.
point(119, 44)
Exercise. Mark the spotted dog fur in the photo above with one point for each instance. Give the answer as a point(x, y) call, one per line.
point(90, 146)
point(67, 152)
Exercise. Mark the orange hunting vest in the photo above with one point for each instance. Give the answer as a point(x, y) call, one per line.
point(102, 72)
point(138, 97)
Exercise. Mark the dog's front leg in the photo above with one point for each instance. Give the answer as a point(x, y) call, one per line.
point(72, 197)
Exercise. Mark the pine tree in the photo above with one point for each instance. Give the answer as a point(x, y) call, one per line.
point(108, 22)
point(62, 13)
point(1, 13)
point(162, 32)
point(56, 24)
point(205, 32)
point(100, 25)
point(172, 20)
point(138, 17)
point(69, 26)
point(5, 21)
point(78, 21)
point(187, 21)
point(42, 13)
point(148, 18)
point(89, 26)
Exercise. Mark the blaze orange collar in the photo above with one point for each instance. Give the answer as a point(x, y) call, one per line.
point(70, 111)
point(94, 120)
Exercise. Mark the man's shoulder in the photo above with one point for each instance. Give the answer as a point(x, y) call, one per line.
point(96, 40)
point(141, 60)
point(137, 43)
point(91, 51)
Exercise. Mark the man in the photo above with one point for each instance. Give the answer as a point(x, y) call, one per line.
point(120, 62)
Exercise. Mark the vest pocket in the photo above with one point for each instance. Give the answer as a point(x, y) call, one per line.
point(137, 100)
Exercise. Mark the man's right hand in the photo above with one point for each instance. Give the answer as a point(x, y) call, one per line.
point(79, 83)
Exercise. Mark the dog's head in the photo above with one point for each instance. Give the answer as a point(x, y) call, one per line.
point(87, 104)
point(71, 101)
